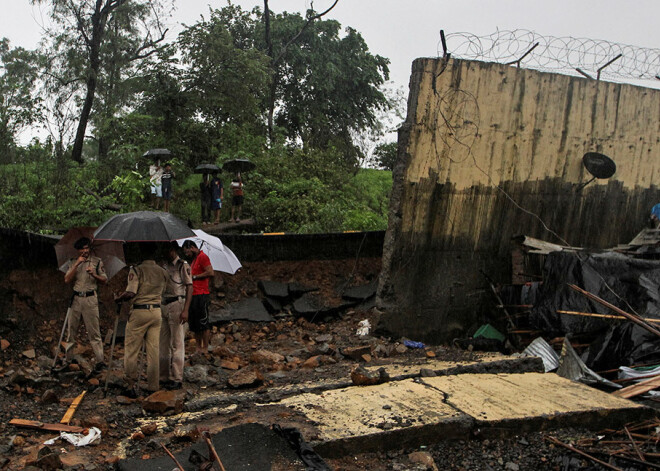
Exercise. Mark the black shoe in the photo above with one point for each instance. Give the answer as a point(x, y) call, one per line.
point(173, 385)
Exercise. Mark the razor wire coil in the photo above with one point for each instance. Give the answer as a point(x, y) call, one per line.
point(564, 54)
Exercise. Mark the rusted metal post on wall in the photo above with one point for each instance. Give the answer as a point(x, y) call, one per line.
point(445, 54)
point(517, 62)
point(582, 72)
point(602, 67)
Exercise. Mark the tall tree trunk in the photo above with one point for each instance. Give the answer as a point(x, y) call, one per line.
point(94, 44)
point(273, 84)
point(76, 154)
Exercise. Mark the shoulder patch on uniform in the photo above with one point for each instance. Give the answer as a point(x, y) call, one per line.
point(188, 270)
point(131, 276)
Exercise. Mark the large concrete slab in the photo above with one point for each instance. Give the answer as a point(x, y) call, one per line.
point(533, 401)
point(418, 411)
point(387, 416)
point(481, 363)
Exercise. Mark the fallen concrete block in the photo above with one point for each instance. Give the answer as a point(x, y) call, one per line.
point(249, 309)
point(362, 292)
point(162, 401)
point(274, 289)
point(246, 378)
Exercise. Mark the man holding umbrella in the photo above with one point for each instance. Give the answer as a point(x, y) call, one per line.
point(146, 286)
point(87, 271)
point(201, 270)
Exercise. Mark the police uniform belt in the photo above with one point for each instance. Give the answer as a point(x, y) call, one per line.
point(173, 299)
point(84, 294)
point(146, 306)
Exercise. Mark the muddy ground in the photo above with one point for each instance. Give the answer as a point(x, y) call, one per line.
point(311, 353)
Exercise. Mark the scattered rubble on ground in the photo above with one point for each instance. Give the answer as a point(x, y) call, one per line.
point(256, 360)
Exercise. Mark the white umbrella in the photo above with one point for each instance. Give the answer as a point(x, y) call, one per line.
point(222, 258)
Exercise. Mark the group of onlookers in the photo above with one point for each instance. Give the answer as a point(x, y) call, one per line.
point(211, 193)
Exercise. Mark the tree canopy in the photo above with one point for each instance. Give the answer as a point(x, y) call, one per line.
point(296, 94)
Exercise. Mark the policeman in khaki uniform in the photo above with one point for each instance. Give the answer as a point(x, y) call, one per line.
point(176, 303)
point(87, 271)
point(146, 285)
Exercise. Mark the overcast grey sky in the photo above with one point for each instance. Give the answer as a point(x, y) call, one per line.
point(404, 30)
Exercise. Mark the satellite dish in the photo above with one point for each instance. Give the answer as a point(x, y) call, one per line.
point(598, 165)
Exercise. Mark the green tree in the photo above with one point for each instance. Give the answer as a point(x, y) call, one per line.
point(385, 155)
point(105, 34)
point(323, 85)
point(20, 104)
point(224, 82)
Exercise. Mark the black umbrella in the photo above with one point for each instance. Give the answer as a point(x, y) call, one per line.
point(207, 168)
point(156, 153)
point(143, 226)
point(238, 165)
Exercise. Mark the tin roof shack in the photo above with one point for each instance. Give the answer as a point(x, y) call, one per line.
point(489, 151)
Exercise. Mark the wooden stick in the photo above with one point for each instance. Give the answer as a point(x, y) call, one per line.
point(604, 316)
point(173, 458)
point(580, 452)
point(212, 452)
point(72, 409)
point(637, 389)
point(33, 424)
point(631, 317)
point(635, 447)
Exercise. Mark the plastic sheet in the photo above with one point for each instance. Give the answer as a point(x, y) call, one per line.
point(618, 342)
point(363, 328)
point(78, 439)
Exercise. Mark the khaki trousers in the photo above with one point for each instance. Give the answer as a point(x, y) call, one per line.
point(88, 309)
point(143, 325)
point(172, 342)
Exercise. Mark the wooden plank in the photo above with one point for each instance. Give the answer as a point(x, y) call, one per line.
point(637, 389)
point(34, 424)
point(631, 317)
point(72, 409)
point(605, 316)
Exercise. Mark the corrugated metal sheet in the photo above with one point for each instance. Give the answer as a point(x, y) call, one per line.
point(540, 348)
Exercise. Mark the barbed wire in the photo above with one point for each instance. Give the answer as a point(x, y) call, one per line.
point(591, 57)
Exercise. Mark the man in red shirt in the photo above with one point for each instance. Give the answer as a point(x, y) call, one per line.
point(198, 315)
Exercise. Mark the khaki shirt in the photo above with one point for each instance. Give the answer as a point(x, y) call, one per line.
point(84, 281)
point(180, 278)
point(147, 281)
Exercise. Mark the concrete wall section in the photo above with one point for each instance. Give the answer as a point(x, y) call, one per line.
point(489, 151)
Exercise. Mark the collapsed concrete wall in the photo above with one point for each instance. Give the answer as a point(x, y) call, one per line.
point(489, 151)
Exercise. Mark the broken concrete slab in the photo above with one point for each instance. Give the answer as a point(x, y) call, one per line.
point(233, 445)
point(362, 292)
point(296, 289)
point(371, 418)
point(313, 307)
point(397, 370)
point(272, 305)
point(249, 309)
point(482, 363)
point(274, 289)
point(415, 412)
point(534, 401)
